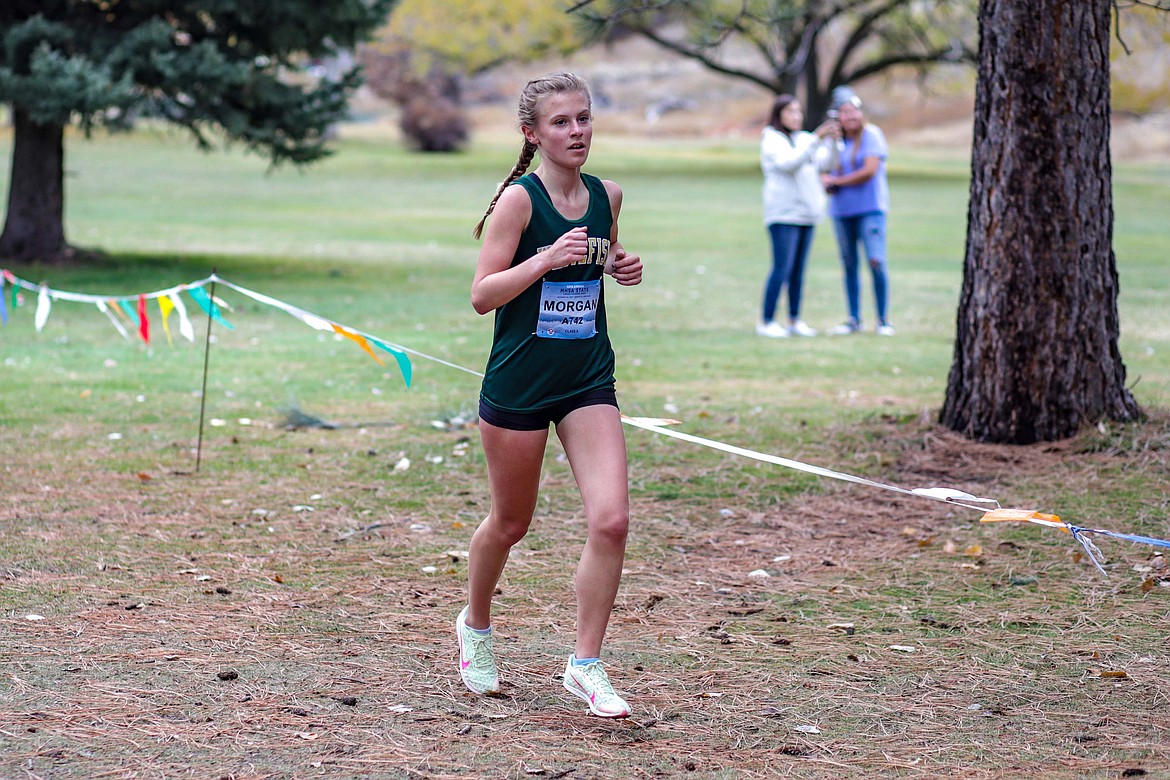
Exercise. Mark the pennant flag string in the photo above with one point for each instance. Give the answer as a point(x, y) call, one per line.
point(132, 311)
point(399, 351)
point(169, 299)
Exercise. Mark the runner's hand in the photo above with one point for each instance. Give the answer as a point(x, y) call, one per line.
point(627, 268)
point(570, 248)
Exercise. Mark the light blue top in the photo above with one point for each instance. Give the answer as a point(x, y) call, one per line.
point(871, 196)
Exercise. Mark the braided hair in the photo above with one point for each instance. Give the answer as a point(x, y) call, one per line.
point(528, 112)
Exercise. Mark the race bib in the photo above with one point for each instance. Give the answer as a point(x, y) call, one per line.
point(568, 310)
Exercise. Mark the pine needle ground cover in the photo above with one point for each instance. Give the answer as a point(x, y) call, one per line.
point(287, 609)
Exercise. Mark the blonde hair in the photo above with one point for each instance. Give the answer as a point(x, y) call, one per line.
point(528, 112)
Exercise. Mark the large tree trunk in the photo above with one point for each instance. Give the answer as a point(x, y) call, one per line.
point(35, 226)
point(1036, 353)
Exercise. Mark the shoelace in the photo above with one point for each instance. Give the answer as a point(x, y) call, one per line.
point(600, 680)
point(481, 651)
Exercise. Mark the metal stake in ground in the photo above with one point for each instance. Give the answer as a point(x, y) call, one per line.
point(206, 360)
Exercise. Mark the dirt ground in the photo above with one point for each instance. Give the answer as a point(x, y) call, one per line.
point(181, 625)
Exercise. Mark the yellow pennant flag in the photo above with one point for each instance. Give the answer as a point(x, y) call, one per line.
point(165, 307)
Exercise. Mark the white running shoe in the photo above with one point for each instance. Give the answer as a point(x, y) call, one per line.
point(477, 662)
point(801, 328)
point(885, 329)
point(772, 330)
point(845, 328)
point(591, 683)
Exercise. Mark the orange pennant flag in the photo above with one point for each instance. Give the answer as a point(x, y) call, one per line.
point(1022, 516)
point(361, 342)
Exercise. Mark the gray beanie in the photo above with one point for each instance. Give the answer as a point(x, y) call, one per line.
point(842, 95)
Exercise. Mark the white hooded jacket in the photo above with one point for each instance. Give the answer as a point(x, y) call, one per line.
point(792, 164)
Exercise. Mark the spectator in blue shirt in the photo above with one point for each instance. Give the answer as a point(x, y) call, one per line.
point(859, 201)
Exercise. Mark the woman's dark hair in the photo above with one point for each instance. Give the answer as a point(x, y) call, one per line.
point(779, 104)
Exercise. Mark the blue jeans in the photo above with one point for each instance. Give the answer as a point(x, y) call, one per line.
point(790, 245)
point(870, 231)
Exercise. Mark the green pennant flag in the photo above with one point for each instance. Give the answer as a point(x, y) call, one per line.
point(204, 300)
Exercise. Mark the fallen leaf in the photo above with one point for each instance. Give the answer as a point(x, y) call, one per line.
point(1118, 675)
point(846, 627)
point(142, 475)
point(974, 549)
point(807, 729)
point(1149, 584)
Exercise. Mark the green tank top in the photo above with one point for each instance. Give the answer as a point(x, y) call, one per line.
point(539, 357)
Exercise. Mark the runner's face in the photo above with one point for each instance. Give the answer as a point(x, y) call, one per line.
point(564, 129)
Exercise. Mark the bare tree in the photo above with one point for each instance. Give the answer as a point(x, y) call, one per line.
point(1036, 353)
point(805, 47)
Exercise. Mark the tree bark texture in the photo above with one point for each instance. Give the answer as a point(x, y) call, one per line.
point(1036, 353)
point(34, 228)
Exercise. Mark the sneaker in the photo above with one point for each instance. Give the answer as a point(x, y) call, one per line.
point(801, 328)
point(845, 328)
point(773, 330)
point(477, 662)
point(591, 683)
point(885, 329)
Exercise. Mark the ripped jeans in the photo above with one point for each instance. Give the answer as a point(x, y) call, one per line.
point(868, 230)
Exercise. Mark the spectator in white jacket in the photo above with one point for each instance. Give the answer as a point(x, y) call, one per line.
point(794, 202)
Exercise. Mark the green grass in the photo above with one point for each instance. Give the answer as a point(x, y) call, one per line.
point(333, 600)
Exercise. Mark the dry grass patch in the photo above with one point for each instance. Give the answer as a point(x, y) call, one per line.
point(185, 633)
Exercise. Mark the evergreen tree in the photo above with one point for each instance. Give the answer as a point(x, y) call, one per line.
point(230, 66)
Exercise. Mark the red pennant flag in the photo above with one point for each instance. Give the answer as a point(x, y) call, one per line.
point(143, 325)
